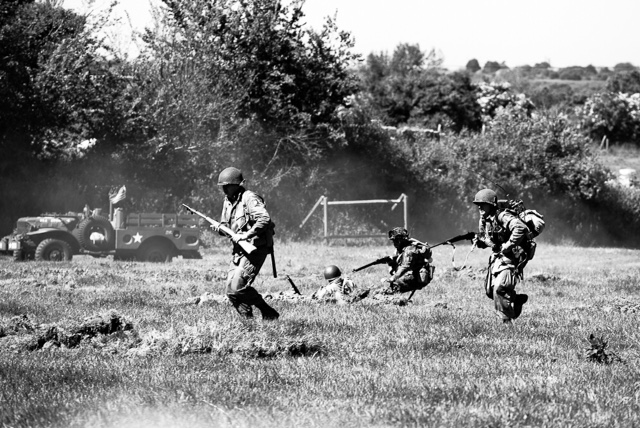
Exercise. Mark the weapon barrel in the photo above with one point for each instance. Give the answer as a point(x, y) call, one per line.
point(375, 262)
point(246, 246)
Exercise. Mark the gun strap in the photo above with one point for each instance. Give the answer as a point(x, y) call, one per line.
point(464, 264)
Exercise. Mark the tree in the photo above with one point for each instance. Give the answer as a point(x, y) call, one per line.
point(627, 82)
point(242, 83)
point(409, 88)
point(624, 66)
point(491, 67)
point(473, 66)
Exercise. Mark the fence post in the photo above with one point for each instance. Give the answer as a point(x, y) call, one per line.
point(326, 220)
point(406, 212)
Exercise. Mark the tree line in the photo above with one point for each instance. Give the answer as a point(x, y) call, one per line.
point(247, 83)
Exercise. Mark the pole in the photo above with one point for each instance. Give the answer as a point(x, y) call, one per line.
point(326, 228)
point(406, 212)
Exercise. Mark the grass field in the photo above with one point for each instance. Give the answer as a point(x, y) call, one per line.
point(443, 360)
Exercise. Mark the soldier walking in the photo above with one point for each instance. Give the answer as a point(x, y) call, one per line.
point(244, 212)
point(507, 236)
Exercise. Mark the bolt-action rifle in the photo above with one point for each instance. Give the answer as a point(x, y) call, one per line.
point(379, 261)
point(469, 236)
point(245, 245)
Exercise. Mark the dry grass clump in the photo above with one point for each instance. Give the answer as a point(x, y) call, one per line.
point(21, 334)
point(598, 352)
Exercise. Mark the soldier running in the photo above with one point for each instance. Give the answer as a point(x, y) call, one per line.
point(506, 235)
point(244, 212)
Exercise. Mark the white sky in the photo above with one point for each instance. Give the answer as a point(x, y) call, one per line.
point(561, 32)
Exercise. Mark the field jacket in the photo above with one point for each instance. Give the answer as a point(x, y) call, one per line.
point(248, 214)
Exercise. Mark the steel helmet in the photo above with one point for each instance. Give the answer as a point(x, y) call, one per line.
point(230, 175)
point(486, 196)
point(398, 232)
point(332, 272)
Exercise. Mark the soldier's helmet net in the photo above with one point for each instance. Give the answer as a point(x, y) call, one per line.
point(332, 272)
point(486, 196)
point(398, 233)
point(230, 175)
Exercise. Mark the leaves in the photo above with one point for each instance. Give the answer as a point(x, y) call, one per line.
point(598, 352)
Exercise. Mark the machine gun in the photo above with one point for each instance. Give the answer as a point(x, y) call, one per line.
point(246, 246)
point(379, 261)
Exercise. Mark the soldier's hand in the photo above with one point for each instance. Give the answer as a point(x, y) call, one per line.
point(239, 237)
point(215, 228)
point(479, 243)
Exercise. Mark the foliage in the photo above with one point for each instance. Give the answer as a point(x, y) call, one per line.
point(626, 82)
point(473, 66)
point(493, 66)
point(614, 115)
point(59, 97)
point(598, 351)
point(492, 96)
point(410, 89)
point(249, 86)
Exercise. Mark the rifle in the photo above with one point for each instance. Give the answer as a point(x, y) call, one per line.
point(379, 261)
point(464, 237)
point(245, 245)
point(293, 285)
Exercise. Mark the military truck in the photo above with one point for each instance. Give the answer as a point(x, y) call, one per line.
point(151, 237)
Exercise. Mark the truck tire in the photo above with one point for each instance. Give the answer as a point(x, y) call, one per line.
point(53, 250)
point(157, 252)
point(91, 225)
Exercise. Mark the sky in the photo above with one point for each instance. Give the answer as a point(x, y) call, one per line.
point(561, 32)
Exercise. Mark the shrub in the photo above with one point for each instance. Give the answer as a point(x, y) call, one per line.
point(616, 116)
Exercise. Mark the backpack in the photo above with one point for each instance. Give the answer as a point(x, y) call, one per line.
point(531, 218)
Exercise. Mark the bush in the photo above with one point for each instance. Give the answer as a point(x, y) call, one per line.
point(616, 116)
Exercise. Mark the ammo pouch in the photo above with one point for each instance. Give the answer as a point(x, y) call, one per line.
point(426, 274)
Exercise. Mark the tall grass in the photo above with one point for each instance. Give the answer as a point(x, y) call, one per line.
point(443, 360)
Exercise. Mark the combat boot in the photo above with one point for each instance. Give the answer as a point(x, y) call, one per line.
point(243, 309)
point(268, 313)
point(519, 300)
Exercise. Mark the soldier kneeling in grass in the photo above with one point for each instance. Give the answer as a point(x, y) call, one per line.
point(410, 267)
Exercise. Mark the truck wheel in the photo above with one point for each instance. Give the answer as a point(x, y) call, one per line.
point(53, 250)
point(155, 253)
point(93, 227)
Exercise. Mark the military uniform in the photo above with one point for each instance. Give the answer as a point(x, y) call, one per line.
point(506, 234)
point(246, 213)
point(341, 290)
point(410, 269)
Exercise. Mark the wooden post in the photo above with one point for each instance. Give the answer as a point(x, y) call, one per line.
point(406, 212)
point(326, 220)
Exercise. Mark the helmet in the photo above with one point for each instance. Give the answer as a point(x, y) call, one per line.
point(230, 175)
point(398, 232)
point(332, 272)
point(486, 196)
